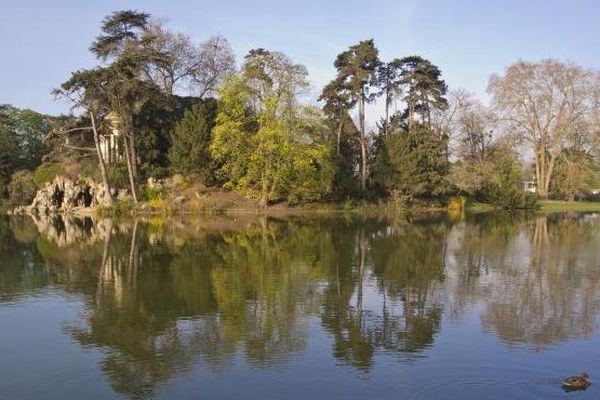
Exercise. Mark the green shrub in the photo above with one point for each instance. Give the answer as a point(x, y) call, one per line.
point(68, 168)
point(348, 204)
point(90, 170)
point(155, 171)
point(22, 188)
point(589, 197)
point(149, 194)
point(117, 175)
point(507, 198)
point(46, 173)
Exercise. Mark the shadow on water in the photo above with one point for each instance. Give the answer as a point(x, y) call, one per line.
point(163, 296)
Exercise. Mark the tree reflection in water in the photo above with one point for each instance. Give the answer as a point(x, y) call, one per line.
point(558, 284)
point(162, 297)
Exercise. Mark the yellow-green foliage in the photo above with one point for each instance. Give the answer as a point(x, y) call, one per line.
point(312, 173)
point(457, 203)
point(149, 194)
point(157, 204)
point(264, 141)
point(456, 207)
point(231, 142)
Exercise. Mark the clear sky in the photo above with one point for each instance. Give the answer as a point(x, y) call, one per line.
point(42, 41)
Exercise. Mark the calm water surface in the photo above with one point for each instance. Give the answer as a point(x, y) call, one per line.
point(491, 307)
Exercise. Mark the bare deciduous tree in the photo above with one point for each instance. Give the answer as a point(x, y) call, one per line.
point(473, 125)
point(216, 60)
point(176, 54)
point(180, 64)
point(545, 105)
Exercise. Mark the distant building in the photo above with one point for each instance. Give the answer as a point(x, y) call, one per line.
point(109, 144)
point(529, 186)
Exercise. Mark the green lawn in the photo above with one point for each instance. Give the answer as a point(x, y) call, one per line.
point(561, 206)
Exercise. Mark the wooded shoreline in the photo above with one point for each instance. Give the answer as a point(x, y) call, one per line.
point(251, 137)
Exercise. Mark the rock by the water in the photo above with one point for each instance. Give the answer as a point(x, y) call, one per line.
point(63, 195)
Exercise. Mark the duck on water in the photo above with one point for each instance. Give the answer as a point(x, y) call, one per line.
point(577, 382)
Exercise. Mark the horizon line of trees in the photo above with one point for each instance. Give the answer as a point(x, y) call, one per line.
point(248, 129)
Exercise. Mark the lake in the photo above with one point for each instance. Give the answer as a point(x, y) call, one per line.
point(312, 307)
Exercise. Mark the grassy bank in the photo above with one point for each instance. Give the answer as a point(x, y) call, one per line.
point(167, 207)
point(362, 207)
point(568, 206)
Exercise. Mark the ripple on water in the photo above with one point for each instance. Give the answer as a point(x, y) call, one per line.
point(499, 381)
point(23, 298)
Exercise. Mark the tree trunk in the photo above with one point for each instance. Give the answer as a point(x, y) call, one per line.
point(339, 132)
point(130, 168)
point(133, 156)
point(363, 144)
point(264, 195)
point(549, 171)
point(543, 171)
point(101, 161)
point(387, 112)
point(537, 174)
point(426, 104)
point(411, 112)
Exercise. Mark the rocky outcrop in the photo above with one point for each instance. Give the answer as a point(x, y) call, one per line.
point(63, 195)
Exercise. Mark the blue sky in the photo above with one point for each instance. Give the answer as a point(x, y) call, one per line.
point(42, 41)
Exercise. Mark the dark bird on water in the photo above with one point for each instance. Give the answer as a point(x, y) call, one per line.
point(577, 382)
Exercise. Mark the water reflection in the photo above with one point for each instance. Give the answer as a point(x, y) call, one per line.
point(164, 296)
point(557, 292)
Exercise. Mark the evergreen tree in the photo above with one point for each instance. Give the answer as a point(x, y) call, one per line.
point(337, 102)
point(191, 138)
point(357, 69)
point(154, 127)
point(344, 133)
point(413, 163)
point(389, 84)
point(423, 87)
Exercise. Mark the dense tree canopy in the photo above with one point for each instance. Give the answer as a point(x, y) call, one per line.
point(22, 133)
point(191, 138)
point(264, 140)
point(158, 103)
point(412, 163)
